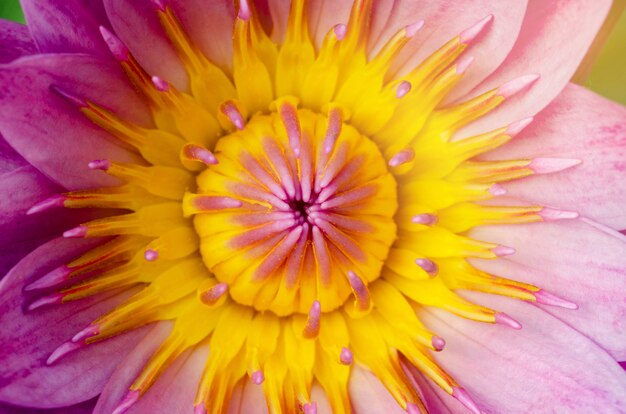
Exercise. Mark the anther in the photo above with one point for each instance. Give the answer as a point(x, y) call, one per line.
point(214, 294)
point(151, 255)
point(257, 377)
point(50, 279)
point(99, 165)
point(403, 88)
point(51, 202)
point(160, 84)
point(553, 214)
point(116, 46)
point(68, 96)
point(497, 190)
point(129, 400)
point(470, 33)
point(312, 328)
point(464, 398)
point(438, 343)
point(402, 157)
point(200, 409)
point(159, 4)
point(289, 116)
point(64, 349)
point(362, 297)
point(426, 219)
point(502, 318)
point(517, 126)
point(340, 31)
point(502, 251)
point(516, 85)
point(232, 112)
point(53, 299)
point(429, 266)
point(413, 28)
point(335, 122)
point(412, 408)
point(76, 232)
point(244, 10)
point(90, 331)
point(546, 298)
point(345, 356)
point(195, 152)
point(209, 203)
point(552, 165)
point(463, 64)
point(309, 408)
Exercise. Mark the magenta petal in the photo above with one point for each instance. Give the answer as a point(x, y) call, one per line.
point(60, 26)
point(52, 134)
point(545, 364)
point(15, 41)
point(577, 125)
point(82, 408)
point(27, 340)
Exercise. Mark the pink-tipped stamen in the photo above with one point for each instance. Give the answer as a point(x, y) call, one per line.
point(52, 299)
point(118, 49)
point(289, 116)
point(517, 85)
point(345, 356)
point(340, 31)
point(472, 32)
point(76, 232)
point(403, 88)
point(502, 251)
point(504, 319)
point(438, 343)
point(546, 298)
point(129, 400)
point(552, 165)
point(90, 331)
point(103, 165)
point(412, 408)
point(159, 4)
point(160, 84)
point(232, 112)
point(497, 190)
point(151, 255)
point(195, 152)
point(553, 214)
point(426, 219)
point(363, 301)
point(412, 29)
point(210, 203)
point(335, 122)
point(428, 266)
point(64, 349)
point(312, 327)
point(68, 96)
point(463, 64)
point(214, 294)
point(257, 377)
point(309, 408)
point(464, 398)
point(244, 10)
point(200, 409)
point(52, 278)
point(57, 200)
point(517, 126)
point(402, 157)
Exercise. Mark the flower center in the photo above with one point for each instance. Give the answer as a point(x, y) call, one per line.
point(297, 202)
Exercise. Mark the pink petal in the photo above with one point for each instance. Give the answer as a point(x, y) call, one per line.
point(577, 262)
point(60, 26)
point(554, 39)
point(51, 133)
point(82, 408)
point(15, 41)
point(28, 339)
point(578, 124)
point(138, 26)
point(252, 400)
point(544, 367)
point(368, 395)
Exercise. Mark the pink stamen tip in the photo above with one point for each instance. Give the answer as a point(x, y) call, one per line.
point(160, 84)
point(464, 398)
point(429, 266)
point(361, 293)
point(103, 165)
point(504, 319)
point(552, 214)
point(116, 46)
point(546, 298)
point(52, 278)
point(412, 408)
point(151, 255)
point(289, 116)
point(213, 294)
point(244, 10)
point(346, 357)
point(159, 4)
point(497, 190)
point(68, 96)
point(195, 152)
point(199, 409)
point(402, 157)
point(129, 400)
point(76, 232)
point(552, 165)
point(502, 251)
point(53, 299)
point(517, 85)
point(463, 64)
point(233, 114)
point(63, 350)
point(257, 377)
point(425, 219)
point(517, 126)
point(335, 123)
point(470, 33)
point(438, 343)
point(310, 408)
point(340, 31)
point(403, 88)
point(413, 28)
point(312, 327)
point(88, 332)
point(51, 202)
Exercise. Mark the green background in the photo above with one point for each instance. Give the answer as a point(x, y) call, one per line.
point(607, 76)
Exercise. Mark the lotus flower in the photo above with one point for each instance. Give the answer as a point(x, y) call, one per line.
point(320, 206)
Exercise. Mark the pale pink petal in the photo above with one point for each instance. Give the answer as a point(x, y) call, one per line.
point(368, 395)
point(576, 261)
point(252, 399)
point(577, 125)
point(544, 366)
point(27, 339)
point(554, 39)
point(137, 24)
